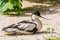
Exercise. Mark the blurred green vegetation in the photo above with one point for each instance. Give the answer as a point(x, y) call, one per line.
point(7, 6)
point(54, 38)
point(43, 9)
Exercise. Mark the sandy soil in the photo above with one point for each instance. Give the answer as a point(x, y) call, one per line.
point(7, 20)
point(54, 23)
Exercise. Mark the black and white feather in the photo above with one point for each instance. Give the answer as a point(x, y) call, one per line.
point(26, 27)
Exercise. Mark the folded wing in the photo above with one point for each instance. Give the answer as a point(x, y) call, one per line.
point(24, 27)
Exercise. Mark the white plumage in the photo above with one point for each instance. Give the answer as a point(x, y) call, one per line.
point(25, 27)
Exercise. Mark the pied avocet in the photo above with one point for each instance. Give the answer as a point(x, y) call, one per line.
point(26, 27)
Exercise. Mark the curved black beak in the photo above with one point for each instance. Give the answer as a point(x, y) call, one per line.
point(44, 18)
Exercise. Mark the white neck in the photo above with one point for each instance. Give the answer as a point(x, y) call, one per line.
point(39, 24)
point(37, 21)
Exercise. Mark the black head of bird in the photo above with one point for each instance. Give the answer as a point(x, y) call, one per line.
point(37, 14)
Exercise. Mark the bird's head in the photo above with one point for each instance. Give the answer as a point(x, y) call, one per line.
point(36, 15)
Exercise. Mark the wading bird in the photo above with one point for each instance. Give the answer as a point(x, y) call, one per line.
point(26, 27)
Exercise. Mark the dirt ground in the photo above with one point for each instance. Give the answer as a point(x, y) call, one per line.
point(7, 20)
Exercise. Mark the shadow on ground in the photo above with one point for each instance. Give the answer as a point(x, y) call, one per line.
point(39, 33)
point(54, 2)
point(42, 9)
